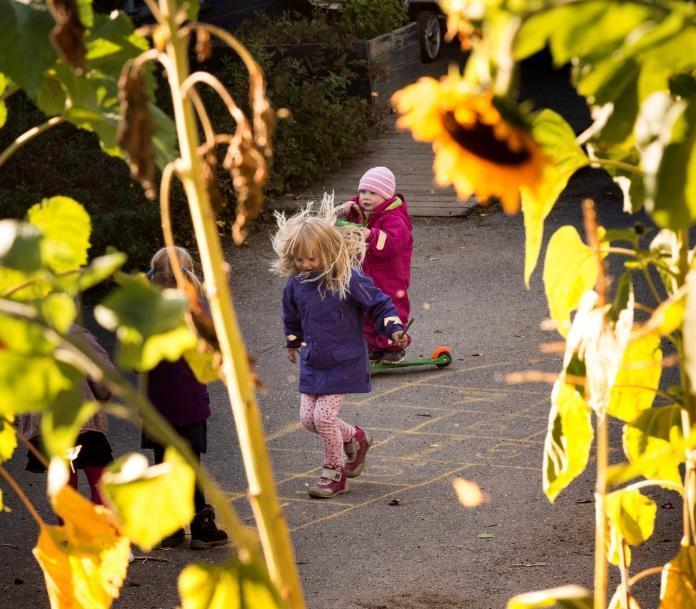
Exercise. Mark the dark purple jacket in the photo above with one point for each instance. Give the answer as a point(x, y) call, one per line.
point(176, 392)
point(334, 357)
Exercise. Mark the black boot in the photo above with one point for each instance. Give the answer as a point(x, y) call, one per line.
point(204, 531)
point(174, 540)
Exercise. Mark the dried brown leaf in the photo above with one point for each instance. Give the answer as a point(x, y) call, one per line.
point(204, 48)
point(249, 170)
point(68, 36)
point(208, 165)
point(136, 129)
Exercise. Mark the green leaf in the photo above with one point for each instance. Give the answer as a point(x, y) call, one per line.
point(149, 324)
point(637, 379)
point(112, 42)
point(58, 311)
point(20, 246)
point(690, 328)
point(203, 364)
point(232, 585)
point(563, 597)
point(653, 445)
point(568, 439)
point(8, 441)
point(666, 135)
point(66, 227)
point(25, 50)
point(24, 337)
point(3, 107)
point(570, 269)
point(631, 517)
point(99, 269)
point(51, 96)
point(62, 422)
point(557, 140)
point(29, 383)
point(150, 502)
point(678, 577)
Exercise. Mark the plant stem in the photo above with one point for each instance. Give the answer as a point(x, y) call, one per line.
point(618, 164)
point(271, 523)
point(600, 561)
point(663, 483)
point(22, 497)
point(625, 580)
point(27, 136)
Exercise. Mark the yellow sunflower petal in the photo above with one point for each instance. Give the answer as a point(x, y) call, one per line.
point(476, 149)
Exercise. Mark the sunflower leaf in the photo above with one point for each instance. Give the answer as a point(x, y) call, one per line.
point(66, 227)
point(232, 585)
point(678, 576)
point(85, 560)
point(570, 269)
point(8, 439)
point(638, 378)
point(653, 443)
point(631, 518)
point(568, 439)
point(150, 502)
point(149, 324)
point(557, 141)
point(564, 597)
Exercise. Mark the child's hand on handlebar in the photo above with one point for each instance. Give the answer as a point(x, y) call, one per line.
point(400, 339)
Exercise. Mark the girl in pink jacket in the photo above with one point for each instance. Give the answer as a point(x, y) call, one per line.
point(389, 237)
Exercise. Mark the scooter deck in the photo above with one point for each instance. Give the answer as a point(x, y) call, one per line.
point(441, 358)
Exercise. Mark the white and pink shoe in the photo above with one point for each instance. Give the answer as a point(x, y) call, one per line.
point(356, 450)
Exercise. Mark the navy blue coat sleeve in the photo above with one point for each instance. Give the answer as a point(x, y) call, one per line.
point(376, 304)
point(292, 322)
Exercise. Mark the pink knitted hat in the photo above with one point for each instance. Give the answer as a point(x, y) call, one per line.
point(379, 180)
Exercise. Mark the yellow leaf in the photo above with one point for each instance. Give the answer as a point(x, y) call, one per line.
point(469, 493)
point(678, 577)
point(8, 438)
point(568, 597)
point(631, 517)
point(568, 439)
point(150, 502)
point(667, 318)
point(637, 379)
point(570, 270)
point(231, 585)
point(85, 560)
point(202, 363)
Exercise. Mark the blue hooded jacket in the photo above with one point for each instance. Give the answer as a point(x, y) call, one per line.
point(329, 332)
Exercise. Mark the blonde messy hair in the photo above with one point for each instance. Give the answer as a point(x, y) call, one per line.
point(314, 234)
point(161, 272)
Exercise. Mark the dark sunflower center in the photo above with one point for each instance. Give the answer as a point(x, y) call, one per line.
point(480, 140)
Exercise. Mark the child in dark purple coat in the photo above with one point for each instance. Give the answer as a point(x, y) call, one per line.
point(182, 399)
point(324, 301)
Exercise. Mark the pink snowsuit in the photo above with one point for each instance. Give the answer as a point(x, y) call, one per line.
point(388, 258)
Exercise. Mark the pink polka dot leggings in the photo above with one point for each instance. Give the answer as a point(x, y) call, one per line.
point(319, 414)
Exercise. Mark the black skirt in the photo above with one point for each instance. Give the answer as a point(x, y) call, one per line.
point(95, 452)
point(196, 434)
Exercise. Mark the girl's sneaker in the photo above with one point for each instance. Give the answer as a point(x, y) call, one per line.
point(204, 532)
point(332, 482)
point(393, 357)
point(355, 463)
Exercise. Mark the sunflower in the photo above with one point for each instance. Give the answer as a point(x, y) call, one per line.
point(477, 150)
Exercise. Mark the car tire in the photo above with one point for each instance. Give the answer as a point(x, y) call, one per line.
point(429, 35)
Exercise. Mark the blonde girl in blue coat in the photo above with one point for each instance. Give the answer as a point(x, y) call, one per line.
point(324, 303)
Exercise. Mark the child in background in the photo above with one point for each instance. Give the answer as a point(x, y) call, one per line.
point(389, 238)
point(324, 301)
point(183, 400)
point(94, 449)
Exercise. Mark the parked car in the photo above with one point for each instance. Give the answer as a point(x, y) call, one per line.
point(431, 27)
